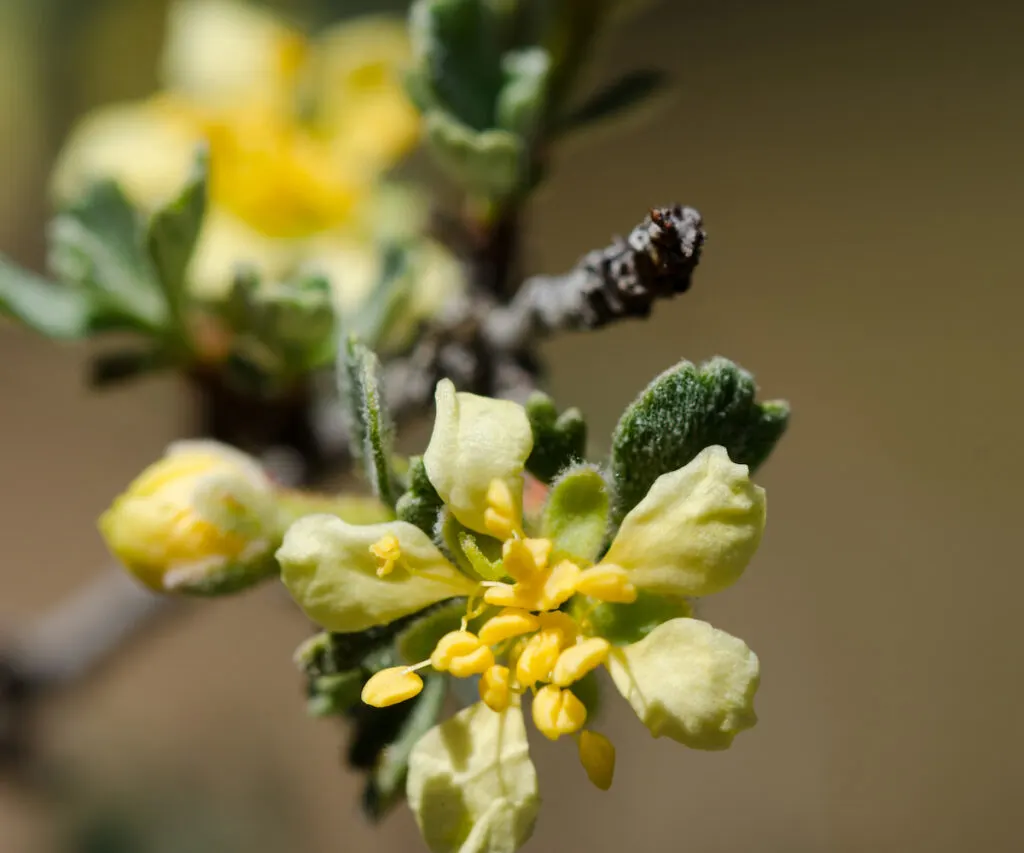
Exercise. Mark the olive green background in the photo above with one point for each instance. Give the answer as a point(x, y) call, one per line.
point(860, 169)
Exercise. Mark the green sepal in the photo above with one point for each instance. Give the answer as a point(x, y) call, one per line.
point(173, 233)
point(420, 504)
point(54, 310)
point(559, 440)
point(98, 244)
point(477, 555)
point(370, 423)
point(622, 624)
point(681, 412)
point(575, 516)
point(386, 786)
point(230, 578)
point(628, 92)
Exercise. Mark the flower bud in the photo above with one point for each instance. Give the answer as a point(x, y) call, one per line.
point(202, 520)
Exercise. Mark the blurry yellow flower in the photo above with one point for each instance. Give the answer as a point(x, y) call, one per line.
point(299, 132)
point(201, 518)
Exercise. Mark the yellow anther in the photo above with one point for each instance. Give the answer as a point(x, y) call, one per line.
point(538, 657)
point(561, 623)
point(513, 595)
point(607, 583)
point(597, 755)
point(576, 661)
point(454, 644)
point(473, 663)
point(511, 622)
point(391, 686)
point(540, 549)
point(501, 516)
point(559, 585)
point(519, 561)
point(557, 712)
point(494, 688)
point(387, 551)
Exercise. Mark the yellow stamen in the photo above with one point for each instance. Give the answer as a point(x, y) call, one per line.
point(557, 712)
point(559, 585)
point(538, 657)
point(518, 559)
point(563, 624)
point(540, 549)
point(597, 755)
point(502, 515)
point(511, 622)
point(453, 645)
point(509, 595)
point(473, 663)
point(391, 686)
point(387, 551)
point(576, 661)
point(494, 688)
point(607, 583)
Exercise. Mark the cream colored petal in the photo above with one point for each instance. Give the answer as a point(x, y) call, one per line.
point(226, 244)
point(472, 786)
point(230, 53)
point(696, 529)
point(475, 441)
point(328, 568)
point(148, 147)
point(690, 682)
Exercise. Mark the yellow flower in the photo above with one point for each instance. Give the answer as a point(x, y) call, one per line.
point(299, 132)
point(537, 629)
point(201, 518)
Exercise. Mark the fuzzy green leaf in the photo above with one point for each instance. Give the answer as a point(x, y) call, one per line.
point(420, 504)
point(51, 309)
point(488, 163)
point(559, 440)
point(680, 413)
point(371, 439)
point(98, 244)
point(624, 94)
point(173, 232)
point(330, 695)
point(576, 513)
point(388, 300)
point(523, 99)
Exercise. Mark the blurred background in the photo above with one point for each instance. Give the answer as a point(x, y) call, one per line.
point(859, 168)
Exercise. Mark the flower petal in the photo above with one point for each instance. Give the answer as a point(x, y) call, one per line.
point(689, 681)
point(472, 786)
point(328, 568)
point(695, 531)
point(147, 147)
point(229, 53)
point(476, 440)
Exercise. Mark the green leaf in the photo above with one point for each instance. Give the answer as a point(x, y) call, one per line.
point(99, 244)
point(173, 232)
point(523, 99)
point(488, 163)
point(371, 439)
point(558, 440)
point(416, 642)
point(622, 624)
point(576, 513)
point(111, 368)
point(420, 504)
point(51, 309)
point(386, 785)
point(457, 45)
point(624, 94)
point(680, 413)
